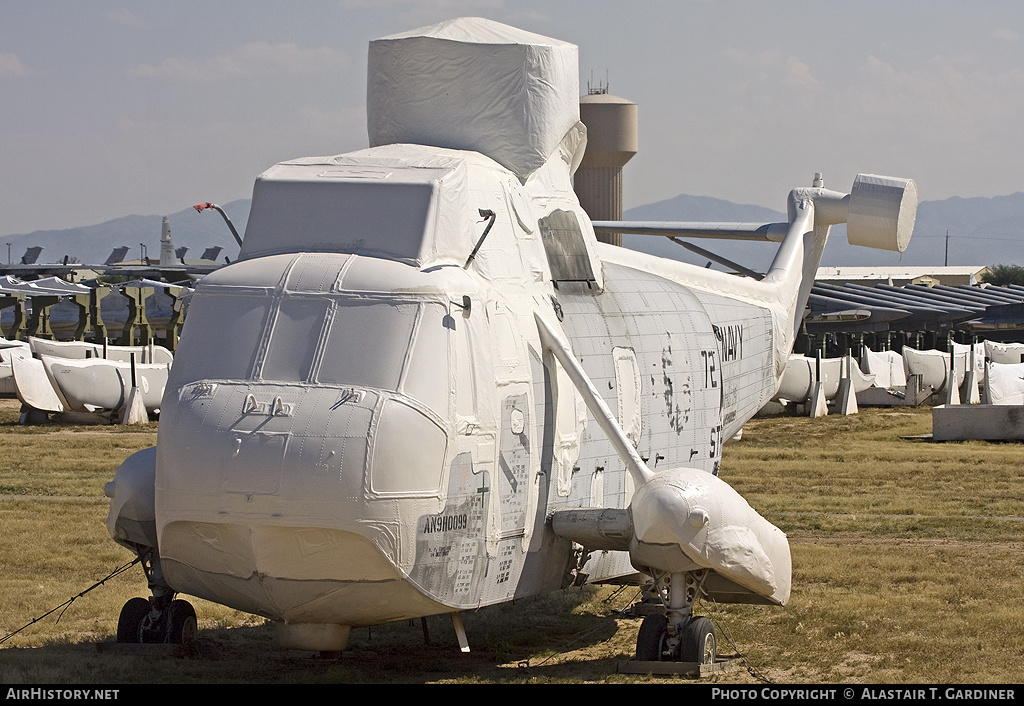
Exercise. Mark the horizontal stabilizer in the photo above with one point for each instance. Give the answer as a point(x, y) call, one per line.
point(764, 232)
point(879, 211)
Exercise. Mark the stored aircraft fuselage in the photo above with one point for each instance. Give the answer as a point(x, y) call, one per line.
point(368, 441)
point(426, 387)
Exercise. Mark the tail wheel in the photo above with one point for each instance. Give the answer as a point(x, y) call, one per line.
point(129, 623)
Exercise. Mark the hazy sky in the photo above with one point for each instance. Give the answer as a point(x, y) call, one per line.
point(112, 108)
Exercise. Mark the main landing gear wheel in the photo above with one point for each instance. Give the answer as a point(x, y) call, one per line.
point(696, 641)
point(651, 638)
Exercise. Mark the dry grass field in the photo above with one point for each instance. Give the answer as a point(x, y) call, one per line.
point(907, 563)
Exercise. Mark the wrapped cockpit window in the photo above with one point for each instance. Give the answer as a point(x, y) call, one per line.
point(367, 344)
point(293, 341)
point(221, 336)
point(426, 376)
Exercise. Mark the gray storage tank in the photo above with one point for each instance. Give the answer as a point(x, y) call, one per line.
point(611, 142)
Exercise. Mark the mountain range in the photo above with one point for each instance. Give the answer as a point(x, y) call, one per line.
point(976, 231)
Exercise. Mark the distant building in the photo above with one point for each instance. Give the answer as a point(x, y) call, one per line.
point(951, 276)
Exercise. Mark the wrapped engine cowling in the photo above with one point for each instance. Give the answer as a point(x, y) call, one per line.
point(474, 84)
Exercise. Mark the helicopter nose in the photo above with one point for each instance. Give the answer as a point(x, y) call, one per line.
point(298, 498)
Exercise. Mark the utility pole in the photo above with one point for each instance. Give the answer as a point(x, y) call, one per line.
point(947, 247)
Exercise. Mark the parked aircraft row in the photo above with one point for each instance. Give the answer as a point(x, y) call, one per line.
point(76, 378)
point(170, 266)
point(993, 368)
point(123, 312)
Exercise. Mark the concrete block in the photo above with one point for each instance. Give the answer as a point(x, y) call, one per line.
point(987, 422)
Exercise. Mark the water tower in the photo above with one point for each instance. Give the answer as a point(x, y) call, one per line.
point(611, 142)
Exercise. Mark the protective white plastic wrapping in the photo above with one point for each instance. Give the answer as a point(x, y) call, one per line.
point(132, 515)
point(394, 202)
point(474, 84)
point(933, 365)
point(882, 212)
point(82, 350)
point(887, 367)
point(8, 351)
point(797, 384)
point(383, 328)
point(1004, 352)
point(334, 389)
point(33, 386)
point(103, 385)
point(1005, 383)
point(715, 528)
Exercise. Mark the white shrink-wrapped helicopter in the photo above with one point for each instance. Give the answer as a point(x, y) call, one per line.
point(425, 387)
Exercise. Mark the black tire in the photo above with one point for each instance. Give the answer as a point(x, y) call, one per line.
point(698, 642)
point(650, 638)
point(130, 621)
point(182, 626)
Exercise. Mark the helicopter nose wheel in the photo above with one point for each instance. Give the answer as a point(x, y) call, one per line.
point(693, 641)
point(156, 621)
